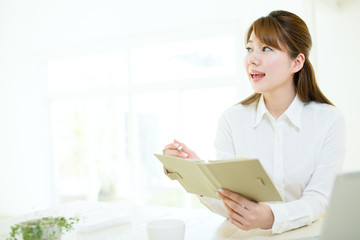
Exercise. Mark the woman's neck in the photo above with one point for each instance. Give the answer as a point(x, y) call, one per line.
point(277, 104)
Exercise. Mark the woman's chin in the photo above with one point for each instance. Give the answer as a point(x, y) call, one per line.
point(258, 89)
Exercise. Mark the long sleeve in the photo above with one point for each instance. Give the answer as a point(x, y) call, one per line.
point(301, 151)
point(315, 198)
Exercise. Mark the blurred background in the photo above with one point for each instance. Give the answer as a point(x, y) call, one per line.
point(90, 90)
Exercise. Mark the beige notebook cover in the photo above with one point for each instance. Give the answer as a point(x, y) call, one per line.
point(244, 176)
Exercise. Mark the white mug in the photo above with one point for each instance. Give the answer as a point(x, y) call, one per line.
point(166, 229)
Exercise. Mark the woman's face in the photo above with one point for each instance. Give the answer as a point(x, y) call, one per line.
point(269, 70)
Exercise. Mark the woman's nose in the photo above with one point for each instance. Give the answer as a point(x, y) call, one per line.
point(253, 58)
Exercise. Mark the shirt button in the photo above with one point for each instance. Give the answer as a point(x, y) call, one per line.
point(277, 138)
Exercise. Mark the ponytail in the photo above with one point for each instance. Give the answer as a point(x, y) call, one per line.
point(307, 87)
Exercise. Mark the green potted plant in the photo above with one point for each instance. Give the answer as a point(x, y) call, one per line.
point(46, 228)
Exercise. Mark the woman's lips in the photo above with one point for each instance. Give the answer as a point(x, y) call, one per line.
point(257, 76)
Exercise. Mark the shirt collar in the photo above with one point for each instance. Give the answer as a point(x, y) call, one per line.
point(261, 110)
point(293, 112)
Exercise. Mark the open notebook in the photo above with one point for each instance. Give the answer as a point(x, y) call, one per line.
point(244, 176)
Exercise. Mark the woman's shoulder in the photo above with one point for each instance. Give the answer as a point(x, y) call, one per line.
point(322, 107)
point(239, 112)
point(240, 109)
point(323, 110)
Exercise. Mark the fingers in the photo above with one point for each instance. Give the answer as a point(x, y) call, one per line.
point(191, 154)
point(237, 207)
point(184, 147)
point(240, 225)
point(172, 146)
point(244, 213)
point(237, 198)
point(176, 153)
point(237, 216)
point(171, 149)
point(179, 149)
point(235, 213)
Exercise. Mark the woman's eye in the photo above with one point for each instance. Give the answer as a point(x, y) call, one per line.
point(266, 49)
point(248, 49)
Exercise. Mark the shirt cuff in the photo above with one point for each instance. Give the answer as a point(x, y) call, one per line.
point(280, 217)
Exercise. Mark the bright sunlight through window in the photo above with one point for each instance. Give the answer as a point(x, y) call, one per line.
point(110, 112)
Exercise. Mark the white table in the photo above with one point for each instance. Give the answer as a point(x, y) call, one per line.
point(201, 224)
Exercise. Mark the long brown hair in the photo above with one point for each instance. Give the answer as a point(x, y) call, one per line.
point(290, 31)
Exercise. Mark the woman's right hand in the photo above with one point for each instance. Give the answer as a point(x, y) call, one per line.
point(171, 149)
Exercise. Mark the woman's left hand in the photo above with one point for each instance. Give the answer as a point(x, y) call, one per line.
point(246, 214)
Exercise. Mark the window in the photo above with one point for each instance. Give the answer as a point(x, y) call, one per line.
point(110, 112)
point(184, 60)
point(88, 72)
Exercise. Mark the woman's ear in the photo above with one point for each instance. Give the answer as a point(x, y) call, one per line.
point(298, 62)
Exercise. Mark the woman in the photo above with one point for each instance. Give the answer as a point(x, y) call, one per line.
point(288, 124)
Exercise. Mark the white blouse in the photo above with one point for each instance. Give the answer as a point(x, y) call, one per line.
point(301, 151)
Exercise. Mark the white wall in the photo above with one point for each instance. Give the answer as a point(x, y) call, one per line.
point(30, 30)
point(337, 40)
